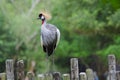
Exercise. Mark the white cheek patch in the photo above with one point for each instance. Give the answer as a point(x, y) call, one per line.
point(42, 17)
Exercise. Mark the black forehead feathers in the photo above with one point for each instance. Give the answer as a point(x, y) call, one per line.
point(40, 15)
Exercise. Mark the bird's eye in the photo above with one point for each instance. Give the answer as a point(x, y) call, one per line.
point(42, 17)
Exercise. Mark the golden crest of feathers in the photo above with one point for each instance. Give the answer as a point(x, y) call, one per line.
point(46, 14)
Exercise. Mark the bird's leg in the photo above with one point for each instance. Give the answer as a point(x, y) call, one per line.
point(53, 63)
point(47, 64)
point(50, 63)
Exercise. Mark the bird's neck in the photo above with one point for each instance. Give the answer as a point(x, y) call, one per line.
point(43, 21)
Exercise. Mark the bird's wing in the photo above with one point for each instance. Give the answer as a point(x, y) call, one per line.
point(44, 49)
point(49, 38)
point(41, 40)
point(58, 36)
point(49, 35)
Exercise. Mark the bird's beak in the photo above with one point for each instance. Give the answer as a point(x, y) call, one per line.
point(38, 18)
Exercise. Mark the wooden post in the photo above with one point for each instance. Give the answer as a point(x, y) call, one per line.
point(56, 76)
point(40, 77)
point(74, 69)
point(48, 76)
point(30, 76)
point(2, 76)
point(83, 76)
point(118, 75)
point(9, 69)
point(90, 74)
point(112, 67)
point(20, 70)
point(66, 76)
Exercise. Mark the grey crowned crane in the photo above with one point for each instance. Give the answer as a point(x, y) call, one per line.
point(50, 34)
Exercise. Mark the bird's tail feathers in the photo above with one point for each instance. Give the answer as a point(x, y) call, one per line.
point(50, 51)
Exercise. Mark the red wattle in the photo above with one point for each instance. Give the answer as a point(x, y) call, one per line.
point(42, 22)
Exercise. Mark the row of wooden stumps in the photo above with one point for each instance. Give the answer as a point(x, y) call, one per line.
point(74, 75)
point(18, 74)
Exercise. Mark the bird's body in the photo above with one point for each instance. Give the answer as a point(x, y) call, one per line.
point(50, 35)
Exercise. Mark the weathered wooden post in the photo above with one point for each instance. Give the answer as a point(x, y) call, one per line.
point(66, 76)
point(83, 76)
point(2, 76)
point(48, 76)
point(112, 67)
point(56, 76)
point(9, 69)
point(40, 77)
point(90, 74)
point(74, 69)
point(20, 70)
point(118, 75)
point(30, 76)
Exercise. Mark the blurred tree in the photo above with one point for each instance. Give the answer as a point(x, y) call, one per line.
point(88, 29)
point(7, 43)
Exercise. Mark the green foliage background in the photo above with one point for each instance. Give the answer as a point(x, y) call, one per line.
point(90, 30)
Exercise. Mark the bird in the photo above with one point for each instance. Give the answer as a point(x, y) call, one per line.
point(50, 34)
